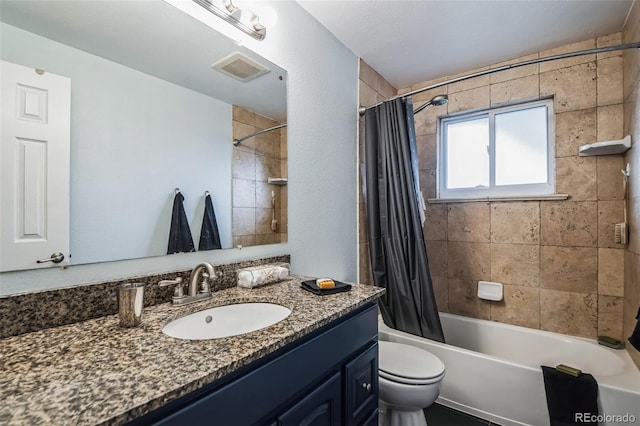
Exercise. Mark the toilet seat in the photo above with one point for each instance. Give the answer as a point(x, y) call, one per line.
point(407, 364)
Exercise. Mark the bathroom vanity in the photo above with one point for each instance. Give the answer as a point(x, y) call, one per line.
point(319, 363)
point(328, 377)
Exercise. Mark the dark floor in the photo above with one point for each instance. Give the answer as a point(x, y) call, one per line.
point(439, 415)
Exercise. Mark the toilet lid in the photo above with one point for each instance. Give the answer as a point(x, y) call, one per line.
point(405, 363)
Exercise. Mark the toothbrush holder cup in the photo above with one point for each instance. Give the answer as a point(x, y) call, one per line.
point(130, 304)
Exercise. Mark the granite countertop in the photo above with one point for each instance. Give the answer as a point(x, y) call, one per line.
point(95, 372)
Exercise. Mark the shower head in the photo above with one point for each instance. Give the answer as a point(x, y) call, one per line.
point(435, 101)
point(439, 100)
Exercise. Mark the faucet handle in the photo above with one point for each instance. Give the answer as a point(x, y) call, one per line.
point(216, 275)
point(204, 285)
point(178, 293)
point(207, 279)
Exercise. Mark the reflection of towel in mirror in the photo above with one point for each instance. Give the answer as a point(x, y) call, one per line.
point(209, 235)
point(180, 239)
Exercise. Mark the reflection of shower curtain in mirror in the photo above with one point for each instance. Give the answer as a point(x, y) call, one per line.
point(180, 240)
point(209, 235)
point(396, 243)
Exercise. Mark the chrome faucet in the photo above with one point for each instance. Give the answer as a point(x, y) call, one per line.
point(207, 276)
point(194, 293)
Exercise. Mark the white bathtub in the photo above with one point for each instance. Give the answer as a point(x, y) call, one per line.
point(493, 370)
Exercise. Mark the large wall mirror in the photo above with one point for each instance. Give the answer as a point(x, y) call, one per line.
point(150, 114)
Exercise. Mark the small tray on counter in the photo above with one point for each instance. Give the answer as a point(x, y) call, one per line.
point(310, 285)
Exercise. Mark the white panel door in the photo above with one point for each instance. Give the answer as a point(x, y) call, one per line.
point(34, 166)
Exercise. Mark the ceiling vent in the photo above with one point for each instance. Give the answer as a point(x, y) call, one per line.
point(240, 67)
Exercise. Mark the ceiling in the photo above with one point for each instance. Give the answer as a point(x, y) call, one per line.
point(412, 41)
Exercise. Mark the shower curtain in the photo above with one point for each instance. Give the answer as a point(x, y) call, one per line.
point(396, 243)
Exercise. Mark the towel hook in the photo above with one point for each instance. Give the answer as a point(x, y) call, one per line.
point(177, 191)
point(206, 193)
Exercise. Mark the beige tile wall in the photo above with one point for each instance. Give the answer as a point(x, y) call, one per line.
point(255, 160)
point(631, 73)
point(559, 263)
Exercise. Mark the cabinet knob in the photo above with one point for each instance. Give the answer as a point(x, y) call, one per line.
point(366, 386)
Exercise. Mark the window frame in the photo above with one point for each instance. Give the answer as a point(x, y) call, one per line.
point(493, 191)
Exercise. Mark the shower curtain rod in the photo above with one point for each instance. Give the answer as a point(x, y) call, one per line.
point(236, 142)
point(636, 45)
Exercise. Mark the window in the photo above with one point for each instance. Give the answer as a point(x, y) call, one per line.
point(501, 152)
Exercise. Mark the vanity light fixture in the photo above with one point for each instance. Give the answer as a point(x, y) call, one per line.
point(235, 16)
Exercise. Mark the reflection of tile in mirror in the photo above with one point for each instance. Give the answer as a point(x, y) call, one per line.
point(263, 195)
point(243, 116)
point(263, 221)
point(266, 167)
point(283, 198)
point(244, 241)
point(262, 239)
point(244, 193)
point(241, 130)
point(266, 144)
point(244, 165)
point(283, 143)
point(244, 221)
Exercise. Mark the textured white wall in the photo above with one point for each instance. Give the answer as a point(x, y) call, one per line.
point(322, 117)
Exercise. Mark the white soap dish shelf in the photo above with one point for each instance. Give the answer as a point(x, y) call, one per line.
point(618, 146)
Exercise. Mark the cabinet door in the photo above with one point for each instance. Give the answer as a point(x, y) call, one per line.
point(372, 420)
point(361, 382)
point(322, 407)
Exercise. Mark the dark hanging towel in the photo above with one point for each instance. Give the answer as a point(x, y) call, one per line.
point(209, 235)
point(180, 240)
point(396, 243)
point(571, 400)
point(634, 339)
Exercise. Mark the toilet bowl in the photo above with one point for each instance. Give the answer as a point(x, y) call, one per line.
point(409, 381)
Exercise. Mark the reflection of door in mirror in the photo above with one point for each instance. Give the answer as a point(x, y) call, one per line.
point(36, 109)
point(259, 208)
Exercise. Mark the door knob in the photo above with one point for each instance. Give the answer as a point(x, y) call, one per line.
point(366, 386)
point(56, 257)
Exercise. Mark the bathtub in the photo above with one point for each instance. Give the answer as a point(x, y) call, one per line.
point(493, 370)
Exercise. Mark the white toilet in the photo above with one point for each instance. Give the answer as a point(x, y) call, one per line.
point(409, 381)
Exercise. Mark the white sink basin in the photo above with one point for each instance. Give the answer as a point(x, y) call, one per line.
point(226, 321)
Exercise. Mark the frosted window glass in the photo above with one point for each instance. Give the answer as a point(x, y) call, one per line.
point(521, 146)
point(468, 154)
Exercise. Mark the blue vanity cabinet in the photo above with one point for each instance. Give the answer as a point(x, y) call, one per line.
point(328, 377)
point(322, 407)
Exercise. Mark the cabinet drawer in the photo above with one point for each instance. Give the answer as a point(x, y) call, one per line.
point(361, 386)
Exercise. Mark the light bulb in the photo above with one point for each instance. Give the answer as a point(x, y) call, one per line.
point(257, 25)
